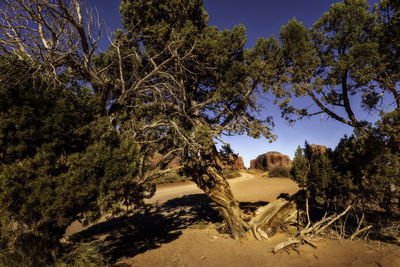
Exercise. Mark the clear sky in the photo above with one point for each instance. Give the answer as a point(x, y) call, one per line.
point(261, 19)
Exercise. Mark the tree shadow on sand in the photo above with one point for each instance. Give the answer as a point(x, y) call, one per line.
point(129, 235)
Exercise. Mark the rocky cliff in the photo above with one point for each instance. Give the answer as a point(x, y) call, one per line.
point(270, 159)
point(318, 149)
point(238, 164)
point(174, 163)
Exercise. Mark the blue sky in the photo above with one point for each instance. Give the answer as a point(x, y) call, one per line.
point(261, 19)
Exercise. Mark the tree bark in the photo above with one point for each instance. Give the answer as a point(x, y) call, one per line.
point(212, 182)
point(208, 176)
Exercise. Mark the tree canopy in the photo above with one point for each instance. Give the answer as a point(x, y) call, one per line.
point(60, 161)
point(169, 82)
point(345, 62)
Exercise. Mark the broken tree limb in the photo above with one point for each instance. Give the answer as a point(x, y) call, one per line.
point(356, 233)
point(315, 226)
point(268, 218)
point(333, 220)
point(308, 214)
point(359, 224)
point(309, 242)
point(285, 244)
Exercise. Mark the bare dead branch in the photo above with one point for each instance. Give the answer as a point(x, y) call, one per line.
point(285, 244)
point(359, 231)
point(333, 220)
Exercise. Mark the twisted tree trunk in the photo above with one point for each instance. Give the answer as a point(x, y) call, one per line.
point(212, 182)
point(207, 174)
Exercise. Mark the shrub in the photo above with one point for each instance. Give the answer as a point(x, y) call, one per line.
point(231, 173)
point(314, 172)
point(82, 255)
point(174, 176)
point(60, 160)
point(363, 170)
point(27, 249)
point(279, 171)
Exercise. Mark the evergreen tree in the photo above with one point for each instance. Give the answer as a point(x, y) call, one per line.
point(315, 173)
point(300, 168)
point(60, 161)
point(188, 83)
point(168, 81)
point(346, 61)
point(348, 56)
point(363, 170)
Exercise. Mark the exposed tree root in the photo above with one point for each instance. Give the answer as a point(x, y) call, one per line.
point(269, 218)
point(313, 232)
point(266, 220)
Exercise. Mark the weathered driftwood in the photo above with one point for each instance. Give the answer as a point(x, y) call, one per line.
point(358, 230)
point(356, 233)
point(312, 231)
point(285, 244)
point(272, 216)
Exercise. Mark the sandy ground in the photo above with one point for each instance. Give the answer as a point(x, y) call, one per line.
point(199, 247)
point(248, 187)
point(181, 231)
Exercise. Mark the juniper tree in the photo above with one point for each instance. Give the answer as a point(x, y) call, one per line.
point(168, 81)
point(203, 85)
point(345, 61)
point(363, 170)
point(60, 161)
point(344, 67)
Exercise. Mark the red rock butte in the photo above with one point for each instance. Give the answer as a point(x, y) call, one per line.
point(238, 164)
point(318, 149)
point(270, 159)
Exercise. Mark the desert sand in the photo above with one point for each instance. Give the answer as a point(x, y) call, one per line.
point(181, 231)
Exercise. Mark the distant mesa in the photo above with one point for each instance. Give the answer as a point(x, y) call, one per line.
point(232, 162)
point(157, 157)
point(318, 149)
point(269, 160)
point(238, 164)
point(252, 164)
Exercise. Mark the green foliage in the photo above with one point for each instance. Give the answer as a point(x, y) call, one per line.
point(388, 34)
point(369, 169)
point(228, 157)
point(300, 168)
point(230, 173)
point(156, 22)
point(28, 249)
point(349, 55)
point(227, 151)
point(82, 255)
point(364, 169)
point(315, 173)
point(60, 160)
point(279, 171)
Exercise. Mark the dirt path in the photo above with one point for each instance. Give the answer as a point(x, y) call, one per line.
point(247, 187)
